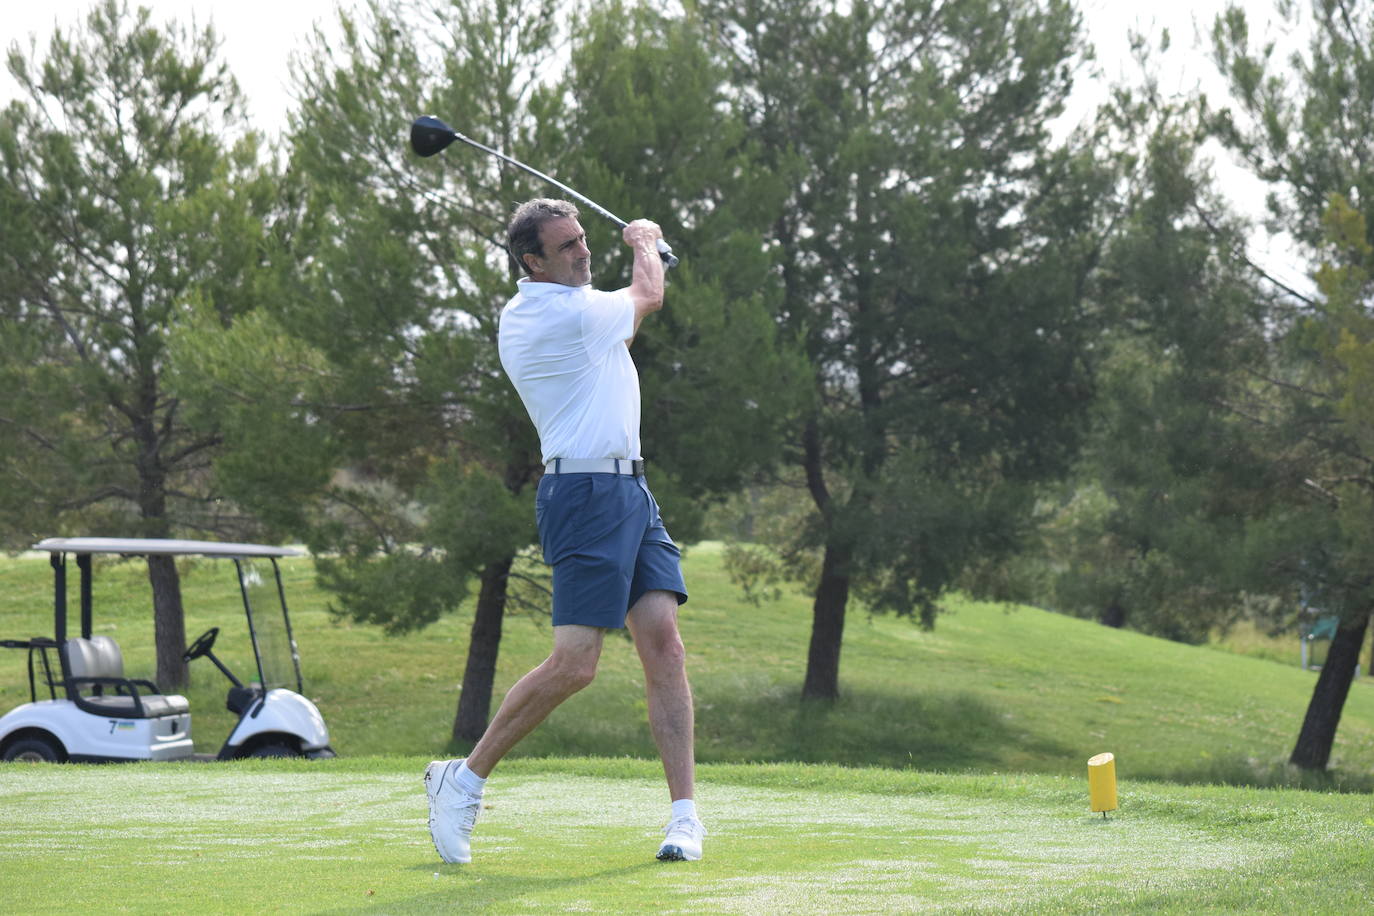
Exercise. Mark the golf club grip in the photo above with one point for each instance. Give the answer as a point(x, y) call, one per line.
point(664, 250)
point(666, 253)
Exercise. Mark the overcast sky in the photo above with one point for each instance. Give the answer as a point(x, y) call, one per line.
point(260, 36)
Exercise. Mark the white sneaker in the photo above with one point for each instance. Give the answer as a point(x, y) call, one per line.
point(683, 840)
point(452, 812)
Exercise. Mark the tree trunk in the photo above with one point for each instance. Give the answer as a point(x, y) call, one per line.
point(474, 700)
point(169, 625)
point(1318, 734)
point(827, 627)
point(1113, 615)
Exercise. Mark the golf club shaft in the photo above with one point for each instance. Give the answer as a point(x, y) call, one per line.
point(664, 250)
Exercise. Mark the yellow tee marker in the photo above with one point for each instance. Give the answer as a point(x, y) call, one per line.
point(1102, 783)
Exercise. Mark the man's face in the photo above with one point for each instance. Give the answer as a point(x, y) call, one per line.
point(566, 259)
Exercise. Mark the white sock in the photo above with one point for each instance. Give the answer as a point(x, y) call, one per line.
point(466, 780)
point(684, 807)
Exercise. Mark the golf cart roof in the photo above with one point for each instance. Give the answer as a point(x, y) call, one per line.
point(162, 546)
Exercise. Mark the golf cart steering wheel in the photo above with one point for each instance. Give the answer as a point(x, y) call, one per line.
point(202, 646)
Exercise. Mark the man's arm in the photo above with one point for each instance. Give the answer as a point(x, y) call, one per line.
point(646, 281)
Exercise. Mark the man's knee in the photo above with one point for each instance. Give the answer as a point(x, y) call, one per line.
point(581, 676)
point(574, 668)
point(660, 645)
point(666, 651)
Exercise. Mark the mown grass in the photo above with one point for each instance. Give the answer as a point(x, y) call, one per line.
point(992, 689)
point(578, 835)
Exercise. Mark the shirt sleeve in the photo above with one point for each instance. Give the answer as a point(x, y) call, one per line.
point(608, 319)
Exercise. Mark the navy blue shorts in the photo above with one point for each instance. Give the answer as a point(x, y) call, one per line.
point(605, 540)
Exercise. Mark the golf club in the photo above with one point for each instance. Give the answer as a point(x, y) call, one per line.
point(429, 136)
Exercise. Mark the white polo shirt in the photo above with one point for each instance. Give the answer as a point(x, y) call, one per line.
point(564, 349)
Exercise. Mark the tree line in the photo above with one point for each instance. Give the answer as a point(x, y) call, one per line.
point(957, 347)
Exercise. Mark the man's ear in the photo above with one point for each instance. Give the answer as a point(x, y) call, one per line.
point(532, 262)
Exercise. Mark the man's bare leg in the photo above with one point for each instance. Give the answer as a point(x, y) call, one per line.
point(571, 667)
point(653, 624)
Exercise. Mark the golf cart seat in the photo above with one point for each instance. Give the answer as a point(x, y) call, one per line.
point(96, 683)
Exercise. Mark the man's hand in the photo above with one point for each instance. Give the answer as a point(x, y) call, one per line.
point(642, 230)
point(646, 283)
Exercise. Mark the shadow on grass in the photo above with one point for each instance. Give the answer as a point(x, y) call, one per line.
point(750, 720)
point(1250, 772)
point(939, 731)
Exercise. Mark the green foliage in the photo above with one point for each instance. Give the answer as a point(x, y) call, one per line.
point(375, 364)
point(1231, 455)
point(468, 519)
point(652, 133)
point(1159, 527)
point(1298, 398)
point(1301, 123)
point(399, 590)
point(130, 189)
point(136, 195)
point(260, 388)
point(934, 251)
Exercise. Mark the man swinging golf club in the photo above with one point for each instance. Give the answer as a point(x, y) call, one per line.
point(565, 347)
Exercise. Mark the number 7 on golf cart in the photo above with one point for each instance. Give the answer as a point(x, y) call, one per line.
point(92, 712)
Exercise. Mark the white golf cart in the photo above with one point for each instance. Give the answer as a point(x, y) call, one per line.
point(94, 713)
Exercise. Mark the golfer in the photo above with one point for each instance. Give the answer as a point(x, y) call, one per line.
point(565, 346)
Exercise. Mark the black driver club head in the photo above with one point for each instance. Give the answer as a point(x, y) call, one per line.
point(429, 135)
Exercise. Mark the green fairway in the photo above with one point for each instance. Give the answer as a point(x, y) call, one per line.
point(579, 836)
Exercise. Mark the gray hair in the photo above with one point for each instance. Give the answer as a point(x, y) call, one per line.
point(522, 236)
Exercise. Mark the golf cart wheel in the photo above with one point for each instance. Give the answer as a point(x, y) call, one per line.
point(274, 749)
point(32, 750)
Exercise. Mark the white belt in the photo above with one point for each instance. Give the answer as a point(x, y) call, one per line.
point(631, 467)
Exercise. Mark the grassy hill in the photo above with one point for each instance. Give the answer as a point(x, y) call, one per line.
point(992, 689)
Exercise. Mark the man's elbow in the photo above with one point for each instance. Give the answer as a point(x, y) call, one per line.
point(648, 302)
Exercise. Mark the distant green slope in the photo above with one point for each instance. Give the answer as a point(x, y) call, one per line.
point(991, 689)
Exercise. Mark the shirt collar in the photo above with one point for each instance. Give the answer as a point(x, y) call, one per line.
point(527, 287)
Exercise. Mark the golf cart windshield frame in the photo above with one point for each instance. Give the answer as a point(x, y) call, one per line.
point(262, 614)
point(84, 547)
